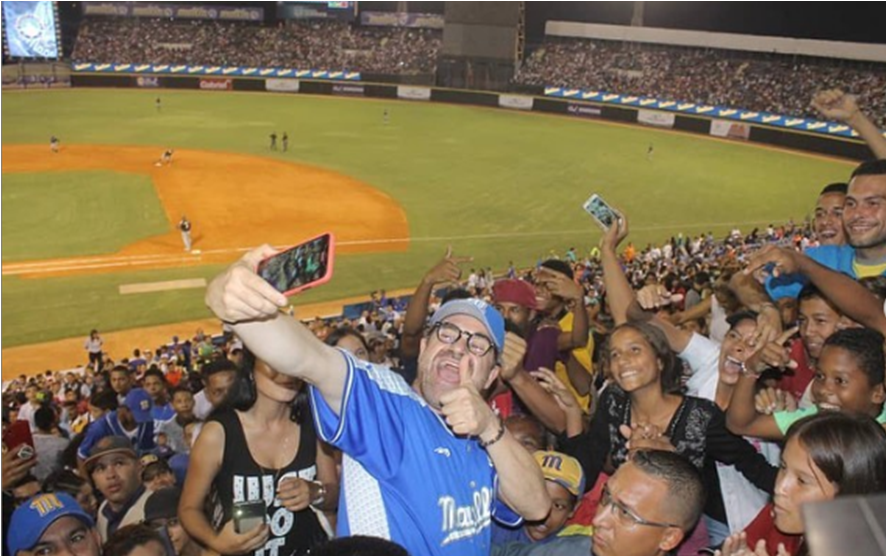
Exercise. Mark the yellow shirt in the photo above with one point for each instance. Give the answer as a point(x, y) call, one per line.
point(583, 356)
point(868, 271)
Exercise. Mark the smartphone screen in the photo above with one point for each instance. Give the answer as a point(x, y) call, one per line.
point(300, 267)
point(601, 212)
point(248, 516)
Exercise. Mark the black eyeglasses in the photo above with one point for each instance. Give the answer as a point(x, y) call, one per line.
point(478, 344)
point(625, 516)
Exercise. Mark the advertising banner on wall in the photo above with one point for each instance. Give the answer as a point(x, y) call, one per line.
point(516, 102)
point(282, 85)
point(730, 130)
point(584, 110)
point(348, 90)
point(216, 84)
point(147, 81)
point(158, 10)
point(413, 93)
point(392, 19)
point(656, 118)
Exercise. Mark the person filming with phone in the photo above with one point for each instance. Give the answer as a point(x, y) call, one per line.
point(427, 467)
point(259, 464)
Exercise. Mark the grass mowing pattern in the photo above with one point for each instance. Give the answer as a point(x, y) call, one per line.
point(60, 214)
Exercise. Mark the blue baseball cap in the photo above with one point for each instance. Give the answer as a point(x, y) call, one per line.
point(139, 403)
point(37, 514)
point(485, 313)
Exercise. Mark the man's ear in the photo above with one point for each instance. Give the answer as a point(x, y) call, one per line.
point(671, 539)
point(494, 374)
point(878, 394)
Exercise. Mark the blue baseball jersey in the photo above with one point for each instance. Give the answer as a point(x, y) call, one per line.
point(406, 477)
point(108, 425)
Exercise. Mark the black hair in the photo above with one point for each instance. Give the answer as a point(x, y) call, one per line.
point(559, 266)
point(740, 316)
point(217, 366)
point(180, 389)
point(456, 294)
point(873, 167)
point(810, 291)
point(672, 368)
point(125, 540)
point(106, 400)
point(155, 372)
point(358, 545)
point(65, 481)
point(685, 487)
point(702, 278)
point(242, 395)
point(867, 346)
point(847, 448)
point(44, 418)
point(333, 338)
point(838, 187)
point(121, 369)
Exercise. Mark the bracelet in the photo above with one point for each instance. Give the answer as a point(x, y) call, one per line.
point(499, 435)
point(321, 495)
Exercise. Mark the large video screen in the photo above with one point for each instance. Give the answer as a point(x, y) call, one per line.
point(30, 29)
point(308, 9)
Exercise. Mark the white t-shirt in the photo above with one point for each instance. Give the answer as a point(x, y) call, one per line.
point(742, 500)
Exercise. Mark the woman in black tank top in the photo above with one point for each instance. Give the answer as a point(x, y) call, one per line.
point(260, 446)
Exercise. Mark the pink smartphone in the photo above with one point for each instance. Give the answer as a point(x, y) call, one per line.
point(300, 267)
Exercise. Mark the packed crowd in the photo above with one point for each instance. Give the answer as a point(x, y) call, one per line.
point(320, 45)
point(775, 83)
point(679, 398)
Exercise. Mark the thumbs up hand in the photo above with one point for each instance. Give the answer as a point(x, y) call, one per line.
point(465, 410)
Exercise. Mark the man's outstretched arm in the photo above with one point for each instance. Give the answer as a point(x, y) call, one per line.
point(251, 306)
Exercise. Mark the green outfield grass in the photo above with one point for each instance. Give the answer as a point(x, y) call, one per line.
point(497, 185)
point(48, 215)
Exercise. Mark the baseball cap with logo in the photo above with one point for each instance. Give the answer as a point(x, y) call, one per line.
point(35, 516)
point(109, 445)
point(485, 313)
point(139, 403)
point(563, 470)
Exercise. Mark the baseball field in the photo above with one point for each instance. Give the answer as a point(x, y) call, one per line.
point(90, 239)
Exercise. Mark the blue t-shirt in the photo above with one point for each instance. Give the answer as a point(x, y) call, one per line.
point(142, 438)
point(837, 258)
point(162, 414)
point(406, 477)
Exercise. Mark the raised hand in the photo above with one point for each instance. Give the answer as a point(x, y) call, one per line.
point(556, 388)
point(645, 436)
point(615, 235)
point(773, 355)
point(446, 271)
point(769, 401)
point(512, 356)
point(465, 410)
point(775, 261)
point(653, 297)
point(560, 285)
point(239, 294)
point(836, 105)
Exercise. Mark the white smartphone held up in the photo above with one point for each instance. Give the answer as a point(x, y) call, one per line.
point(604, 215)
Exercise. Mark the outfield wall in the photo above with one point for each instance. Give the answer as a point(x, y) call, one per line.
point(701, 124)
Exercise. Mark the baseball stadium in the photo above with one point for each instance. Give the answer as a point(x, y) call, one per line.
point(420, 135)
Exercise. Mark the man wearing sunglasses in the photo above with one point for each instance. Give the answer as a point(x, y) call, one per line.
point(427, 467)
point(647, 508)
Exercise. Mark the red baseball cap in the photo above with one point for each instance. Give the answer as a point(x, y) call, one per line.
point(514, 291)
